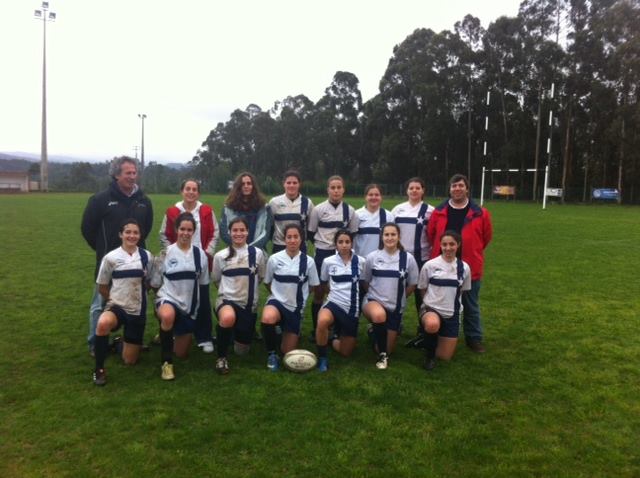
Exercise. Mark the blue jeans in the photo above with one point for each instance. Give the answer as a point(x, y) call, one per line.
point(95, 309)
point(471, 323)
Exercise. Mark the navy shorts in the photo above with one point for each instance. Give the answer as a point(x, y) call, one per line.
point(321, 255)
point(183, 323)
point(344, 324)
point(394, 320)
point(448, 327)
point(245, 325)
point(133, 324)
point(289, 321)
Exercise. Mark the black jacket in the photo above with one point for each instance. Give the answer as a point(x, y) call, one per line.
point(104, 214)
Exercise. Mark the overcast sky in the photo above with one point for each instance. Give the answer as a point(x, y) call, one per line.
point(187, 65)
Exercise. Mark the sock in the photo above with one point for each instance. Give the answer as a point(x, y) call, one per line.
point(270, 340)
point(166, 345)
point(101, 347)
point(223, 339)
point(322, 350)
point(380, 333)
point(315, 308)
point(431, 342)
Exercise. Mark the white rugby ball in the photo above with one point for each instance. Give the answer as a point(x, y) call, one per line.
point(300, 360)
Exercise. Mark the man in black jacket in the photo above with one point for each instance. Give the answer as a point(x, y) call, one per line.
point(103, 217)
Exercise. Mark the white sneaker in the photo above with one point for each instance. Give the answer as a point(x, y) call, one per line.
point(381, 364)
point(207, 347)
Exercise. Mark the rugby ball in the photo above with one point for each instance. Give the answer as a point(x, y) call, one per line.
point(300, 360)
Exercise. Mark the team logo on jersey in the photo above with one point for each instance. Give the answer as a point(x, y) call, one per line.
point(173, 262)
point(333, 270)
point(301, 278)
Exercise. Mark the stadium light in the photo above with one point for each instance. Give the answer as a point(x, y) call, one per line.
point(44, 15)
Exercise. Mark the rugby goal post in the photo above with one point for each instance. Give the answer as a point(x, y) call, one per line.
point(552, 192)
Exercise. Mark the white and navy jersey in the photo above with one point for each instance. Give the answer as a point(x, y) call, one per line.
point(326, 219)
point(388, 277)
point(127, 274)
point(344, 281)
point(286, 211)
point(369, 224)
point(182, 275)
point(238, 278)
point(290, 279)
point(413, 221)
point(444, 281)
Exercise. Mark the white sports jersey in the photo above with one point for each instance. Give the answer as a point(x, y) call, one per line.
point(286, 211)
point(344, 281)
point(326, 219)
point(180, 281)
point(369, 223)
point(290, 285)
point(413, 227)
point(382, 272)
point(196, 240)
point(125, 273)
point(232, 276)
point(443, 285)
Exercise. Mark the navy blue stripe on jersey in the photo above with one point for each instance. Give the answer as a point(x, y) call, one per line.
point(444, 282)
point(406, 220)
point(460, 271)
point(252, 275)
point(342, 278)
point(355, 291)
point(127, 274)
point(182, 275)
point(240, 271)
point(369, 230)
point(287, 217)
point(286, 279)
point(402, 273)
point(383, 216)
point(420, 225)
point(332, 224)
point(384, 273)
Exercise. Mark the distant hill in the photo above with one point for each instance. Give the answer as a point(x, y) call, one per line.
point(9, 164)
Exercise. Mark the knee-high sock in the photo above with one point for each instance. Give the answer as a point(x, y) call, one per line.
point(269, 334)
point(223, 339)
point(166, 345)
point(431, 343)
point(380, 333)
point(101, 348)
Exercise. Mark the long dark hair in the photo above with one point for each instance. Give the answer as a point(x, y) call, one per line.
point(236, 201)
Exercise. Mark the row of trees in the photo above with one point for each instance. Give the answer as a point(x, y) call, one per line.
point(444, 95)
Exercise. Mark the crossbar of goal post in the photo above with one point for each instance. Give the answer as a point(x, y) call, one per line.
point(532, 170)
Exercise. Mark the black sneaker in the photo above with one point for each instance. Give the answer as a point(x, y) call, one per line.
point(100, 377)
point(429, 364)
point(222, 366)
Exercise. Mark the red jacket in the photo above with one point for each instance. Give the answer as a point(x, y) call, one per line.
point(477, 232)
point(206, 227)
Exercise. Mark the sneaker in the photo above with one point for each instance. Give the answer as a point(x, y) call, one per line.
point(382, 362)
point(476, 346)
point(100, 377)
point(429, 364)
point(207, 347)
point(273, 362)
point(323, 364)
point(222, 366)
point(167, 371)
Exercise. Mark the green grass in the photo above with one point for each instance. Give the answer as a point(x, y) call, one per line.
point(555, 395)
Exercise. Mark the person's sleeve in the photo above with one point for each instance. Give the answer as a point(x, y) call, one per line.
point(412, 272)
point(204, 273)
point(487, 232)
point(466, 284)
point(366, 271)
point(90, 223)
point(312, 272)
point(354, 221)
point(224, 228)
point(324, 272)
point(105, 272)
point(262, 264)
point(312, 225)
point(423, 278)
point(216, 270)
point(431, 231)
point(268, 275)
point(211, 249)
point(164, 240)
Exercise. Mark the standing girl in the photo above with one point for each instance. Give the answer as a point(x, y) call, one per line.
point(441, 283)
point(290, 275)
point(390, 276)
point(205, 237)
point(370, 219)
point(122, 282)
point(184, 271)
point(326, 218)
point(237, 272)
point(340, 276)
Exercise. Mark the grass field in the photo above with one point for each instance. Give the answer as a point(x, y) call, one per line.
point(557, 393)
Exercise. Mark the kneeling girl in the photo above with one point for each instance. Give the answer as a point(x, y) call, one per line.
point(290, 275)
point(441, 283)
point(183, 270)
point(237, 272)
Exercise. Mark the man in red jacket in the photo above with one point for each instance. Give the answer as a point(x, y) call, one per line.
point(473, 223)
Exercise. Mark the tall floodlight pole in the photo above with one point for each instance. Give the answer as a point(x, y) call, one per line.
point(142, 117)
point(44, 15)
